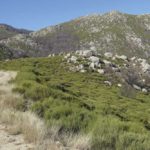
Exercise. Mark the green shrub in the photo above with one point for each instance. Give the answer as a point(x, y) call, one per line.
point(106, 133)
point(37, 92)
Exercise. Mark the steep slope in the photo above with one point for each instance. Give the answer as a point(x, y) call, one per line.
point(114, 32)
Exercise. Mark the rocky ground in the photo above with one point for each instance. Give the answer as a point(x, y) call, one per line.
point(119, 69)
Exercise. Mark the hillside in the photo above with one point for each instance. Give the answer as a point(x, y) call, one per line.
point(87, 93)
point(86, 85)
point(111, 32)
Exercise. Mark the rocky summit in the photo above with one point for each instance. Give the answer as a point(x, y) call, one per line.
point(113, 32)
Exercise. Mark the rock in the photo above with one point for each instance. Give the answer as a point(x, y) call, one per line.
point(108, 55)
point(93, 48)
point(73, 59)
point(119, 85)
point(108, 83)
point(106, 62)
point(99, 65)
point(92, 66)
point(144, 90)
point(136, 87)
point(82, 71)
point(80, 67)
point(77, 68)
point(101, 71)
point(143, 80)
point(123, 57)
point(133, 58)
point(145, 66)
point(86, 53)
point(114, 58)
point(94, 59)
point(67, 56)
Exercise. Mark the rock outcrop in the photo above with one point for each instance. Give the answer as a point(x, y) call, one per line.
point(134, 71)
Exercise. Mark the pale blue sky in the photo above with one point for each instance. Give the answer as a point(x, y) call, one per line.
point(36, 14)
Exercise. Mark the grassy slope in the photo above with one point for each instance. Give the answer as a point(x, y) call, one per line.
point(80, 102)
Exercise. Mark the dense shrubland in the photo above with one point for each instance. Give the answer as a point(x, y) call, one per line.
point(81, 103)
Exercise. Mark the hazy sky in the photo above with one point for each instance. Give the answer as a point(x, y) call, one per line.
point(35, 14)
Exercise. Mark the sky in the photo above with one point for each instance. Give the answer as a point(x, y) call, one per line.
point(36, 14)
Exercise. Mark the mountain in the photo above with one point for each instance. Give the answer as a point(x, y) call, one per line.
point(7, 31)
point(113, 32)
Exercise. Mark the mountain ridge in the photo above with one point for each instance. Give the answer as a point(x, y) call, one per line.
point(114, 32)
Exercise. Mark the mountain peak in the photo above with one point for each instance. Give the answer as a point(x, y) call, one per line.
point(114, 12)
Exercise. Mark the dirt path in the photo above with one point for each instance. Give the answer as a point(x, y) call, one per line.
point(8, 141)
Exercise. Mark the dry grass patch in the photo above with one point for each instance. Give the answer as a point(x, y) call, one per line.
point(24, 122)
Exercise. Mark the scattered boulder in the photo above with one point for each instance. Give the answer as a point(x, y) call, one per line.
point(92, 66)
point(136, 87)
point(67, 56)
point(86, 53)
point(80, 67)
point(123, 57)
point(94, 59)
point(144, 90)
point(133, 58)
point(82, 71)
point(86, 60)
point(106, 62)
point(73, 59)
point(119, 85)
point(108, 55)
point(108, 83)
point(101, 71)
point(145, 66)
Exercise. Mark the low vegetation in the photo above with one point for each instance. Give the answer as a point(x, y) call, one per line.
point(80, 103)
